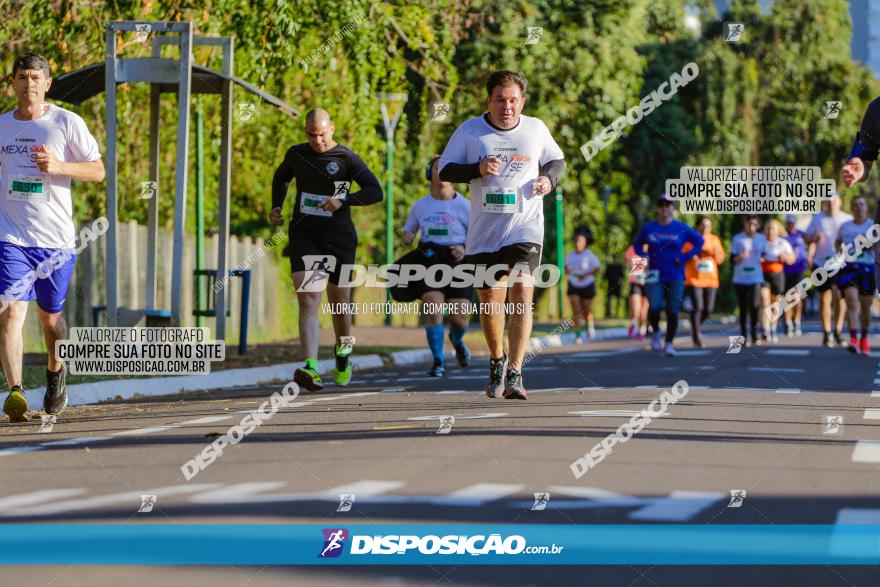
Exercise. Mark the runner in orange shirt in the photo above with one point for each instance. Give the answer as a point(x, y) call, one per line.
point(701, 277)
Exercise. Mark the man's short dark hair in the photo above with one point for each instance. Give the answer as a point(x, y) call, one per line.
point(505, 78)
point(31, 61)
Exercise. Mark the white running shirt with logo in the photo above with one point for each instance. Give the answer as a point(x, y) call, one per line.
point(504, 209)
point(38, 211)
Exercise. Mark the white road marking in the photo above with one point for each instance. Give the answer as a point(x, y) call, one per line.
point(872, 414)
point(600, 354)
point(693, 353)
point(462, 416)
point(142, 431)
point(875, 393)
point(92, 503)
point(866, 451)
point(467, 377)
point(593, 388)
point(788, 390)
point(680, 506)
point(776, 369)
point(677, 506)
point(477, 494)
point(788, 352)
point(75, 441)
point(451, 391)
point(207, 420)
point(611, 413)
point(645, 387)
point(25, 499)
point(247, 493)
point(392, 390)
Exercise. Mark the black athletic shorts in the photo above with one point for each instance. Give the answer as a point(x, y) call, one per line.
point(330, 250)
point(637, 289)
point(775, 281)
point(792, 279)
point(511, 255)
point(825, 286)
point(588, 291)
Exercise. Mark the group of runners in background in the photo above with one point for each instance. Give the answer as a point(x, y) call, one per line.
point(671, 266)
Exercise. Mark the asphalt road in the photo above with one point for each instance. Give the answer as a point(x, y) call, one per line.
point(755, 421)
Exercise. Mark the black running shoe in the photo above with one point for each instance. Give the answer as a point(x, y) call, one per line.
point(462, 355)
point(497, 369)
point(438, 369)
point(513, 386)
point(55, 399)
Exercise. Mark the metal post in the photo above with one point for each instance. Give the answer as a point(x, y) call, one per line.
point(200, 209)
point(224, 183)
point(153, 213)
point(606, 194)
point(181, 174)
point(389, 213)
point(390, 124)
point(111, 266)
point(560, 252)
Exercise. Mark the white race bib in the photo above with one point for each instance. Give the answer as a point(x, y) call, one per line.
point(502, 200)
point(24, 188)
point(308, 204)
point(705, 266)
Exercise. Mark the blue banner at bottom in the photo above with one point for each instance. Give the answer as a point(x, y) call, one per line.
point(437, 544)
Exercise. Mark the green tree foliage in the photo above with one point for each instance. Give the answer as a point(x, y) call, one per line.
point(756, 102)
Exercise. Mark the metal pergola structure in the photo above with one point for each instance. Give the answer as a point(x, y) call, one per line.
point(164, 75)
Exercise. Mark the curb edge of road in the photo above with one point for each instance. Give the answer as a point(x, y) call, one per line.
point(99, 391)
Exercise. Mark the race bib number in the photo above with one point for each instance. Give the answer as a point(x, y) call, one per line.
point(437, 230)
point(308, 204)
point(705, 266)
point(652, 276)
point(27, 189)
point(502, 201)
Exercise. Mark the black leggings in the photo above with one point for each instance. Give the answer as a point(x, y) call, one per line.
point(703, 303)
point(749, 298)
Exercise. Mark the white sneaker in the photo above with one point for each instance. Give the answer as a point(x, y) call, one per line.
point(656, 345)
point(591, 332)
point(670, 350)
point(774, 337)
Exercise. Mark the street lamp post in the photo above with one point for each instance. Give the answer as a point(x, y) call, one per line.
point(392, 108)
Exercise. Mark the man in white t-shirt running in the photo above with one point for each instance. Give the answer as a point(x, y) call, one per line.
point(820, 236)
point(42, 148)
point(510, 161)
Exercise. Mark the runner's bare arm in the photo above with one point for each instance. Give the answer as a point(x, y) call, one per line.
point(85, 171)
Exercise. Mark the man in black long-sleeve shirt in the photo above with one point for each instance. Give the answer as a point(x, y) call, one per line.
point(321, 234)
